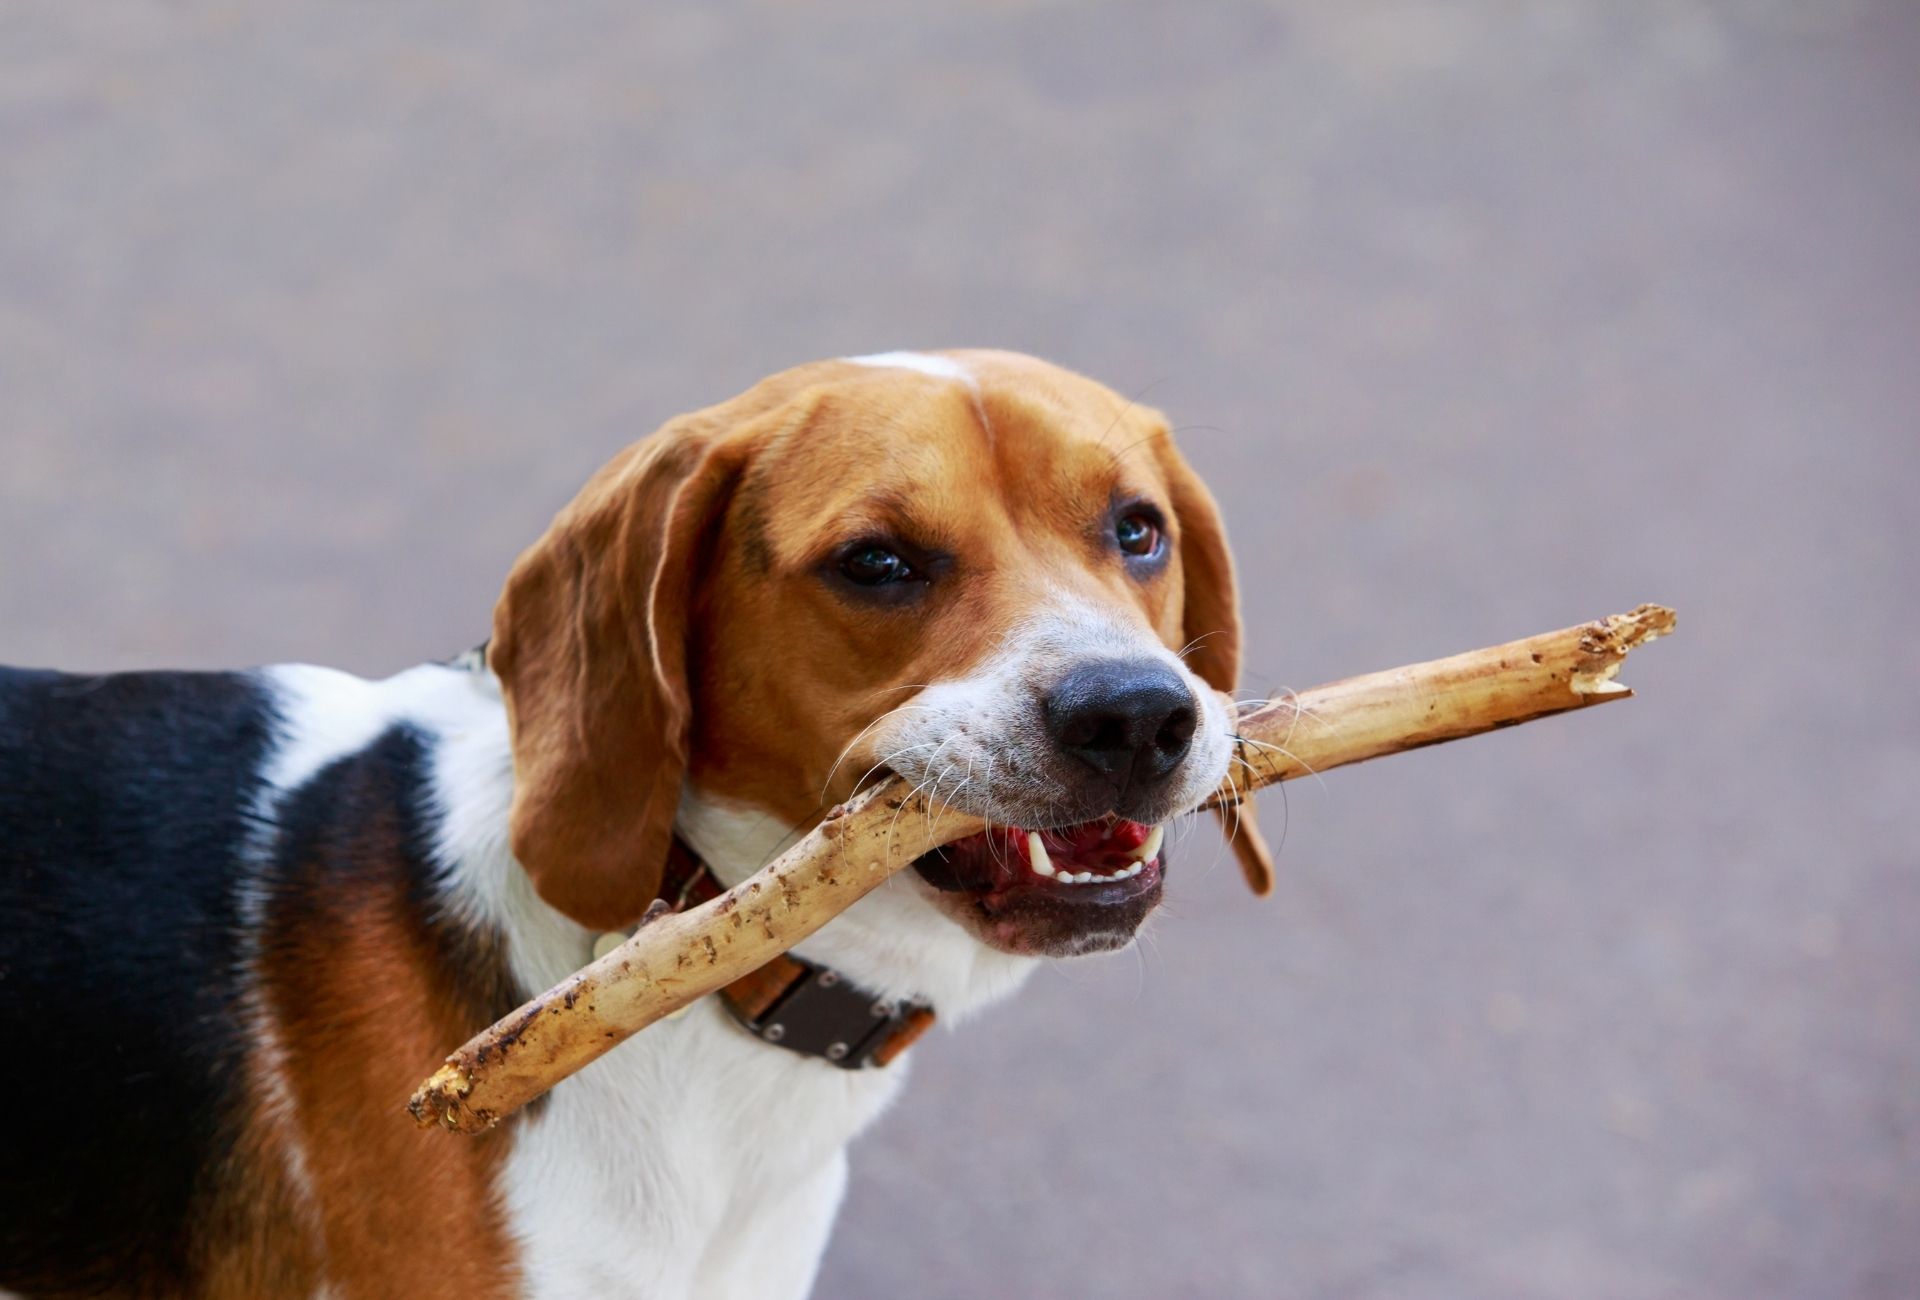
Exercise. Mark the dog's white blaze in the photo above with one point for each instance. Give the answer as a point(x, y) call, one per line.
point(925, 363)
point(936, 367)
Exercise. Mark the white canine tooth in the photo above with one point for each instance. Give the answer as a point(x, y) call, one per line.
point(1037, 854)
point(1149, 850)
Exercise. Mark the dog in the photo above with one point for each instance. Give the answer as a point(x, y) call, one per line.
point(242, 914)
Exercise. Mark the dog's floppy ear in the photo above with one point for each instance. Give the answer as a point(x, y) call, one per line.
point(1211, 626)
point(589, 642)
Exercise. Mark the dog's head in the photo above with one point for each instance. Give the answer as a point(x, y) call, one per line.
point(991, 576)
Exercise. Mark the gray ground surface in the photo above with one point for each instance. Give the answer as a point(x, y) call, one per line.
point(1486, 318)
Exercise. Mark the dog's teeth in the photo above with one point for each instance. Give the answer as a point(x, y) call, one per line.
point(1149, 850)
point(1043, 865)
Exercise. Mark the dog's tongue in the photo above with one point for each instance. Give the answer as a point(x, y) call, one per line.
point(1111, 849)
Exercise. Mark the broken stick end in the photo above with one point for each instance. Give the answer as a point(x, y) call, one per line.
point(1640, 625)
point(441, 1102)
point(1604, 646)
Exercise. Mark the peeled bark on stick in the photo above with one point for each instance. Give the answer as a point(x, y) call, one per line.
point(675, 958)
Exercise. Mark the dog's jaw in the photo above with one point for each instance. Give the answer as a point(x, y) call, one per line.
point(897, 941)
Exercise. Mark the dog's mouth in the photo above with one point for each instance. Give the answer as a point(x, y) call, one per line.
point(1105, 861)
point(1063, 890)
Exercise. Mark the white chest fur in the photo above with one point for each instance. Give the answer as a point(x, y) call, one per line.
point(690, 1161)
point(693, 1160)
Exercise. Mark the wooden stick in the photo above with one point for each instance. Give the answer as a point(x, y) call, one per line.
point(674, 958)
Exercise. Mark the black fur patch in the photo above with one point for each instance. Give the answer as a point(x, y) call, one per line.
point(361, 825)
point(127, 829)
point(124, 807)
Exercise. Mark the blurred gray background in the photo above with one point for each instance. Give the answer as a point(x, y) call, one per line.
point(1483, 318)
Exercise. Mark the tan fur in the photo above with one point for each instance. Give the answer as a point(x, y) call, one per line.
point(672, 623)
point(359, 995)
point(259, 1237)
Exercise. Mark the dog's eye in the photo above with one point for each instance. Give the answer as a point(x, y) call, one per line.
point(873, 566)
point(1137, 535)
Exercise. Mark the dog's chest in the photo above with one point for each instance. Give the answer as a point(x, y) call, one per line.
point(691, 1160)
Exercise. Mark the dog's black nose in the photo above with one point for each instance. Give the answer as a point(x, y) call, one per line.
point(1130, 718)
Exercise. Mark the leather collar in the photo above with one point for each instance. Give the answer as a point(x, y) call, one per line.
point(797, 1004)
point(789, 1002)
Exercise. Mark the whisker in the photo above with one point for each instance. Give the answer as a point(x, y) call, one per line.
point(933, 795)
point(1181, 653)
point(886, 760)
point(1284, 752)
point(1122, 414)
point(894, 824)
point(909, 686)
point(848, 747)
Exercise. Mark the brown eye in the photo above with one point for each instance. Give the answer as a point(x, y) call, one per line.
point(1137, 535)
point(874, 566)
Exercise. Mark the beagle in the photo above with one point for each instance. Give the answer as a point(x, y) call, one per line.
point(241, 914)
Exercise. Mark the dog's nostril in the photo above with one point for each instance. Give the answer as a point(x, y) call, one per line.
point(1176, 733)
point(1133, 719)
point(1101, 731)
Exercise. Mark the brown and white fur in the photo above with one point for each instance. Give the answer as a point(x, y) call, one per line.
point(308, 887)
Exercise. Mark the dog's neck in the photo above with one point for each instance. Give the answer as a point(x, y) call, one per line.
point(893, 942)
